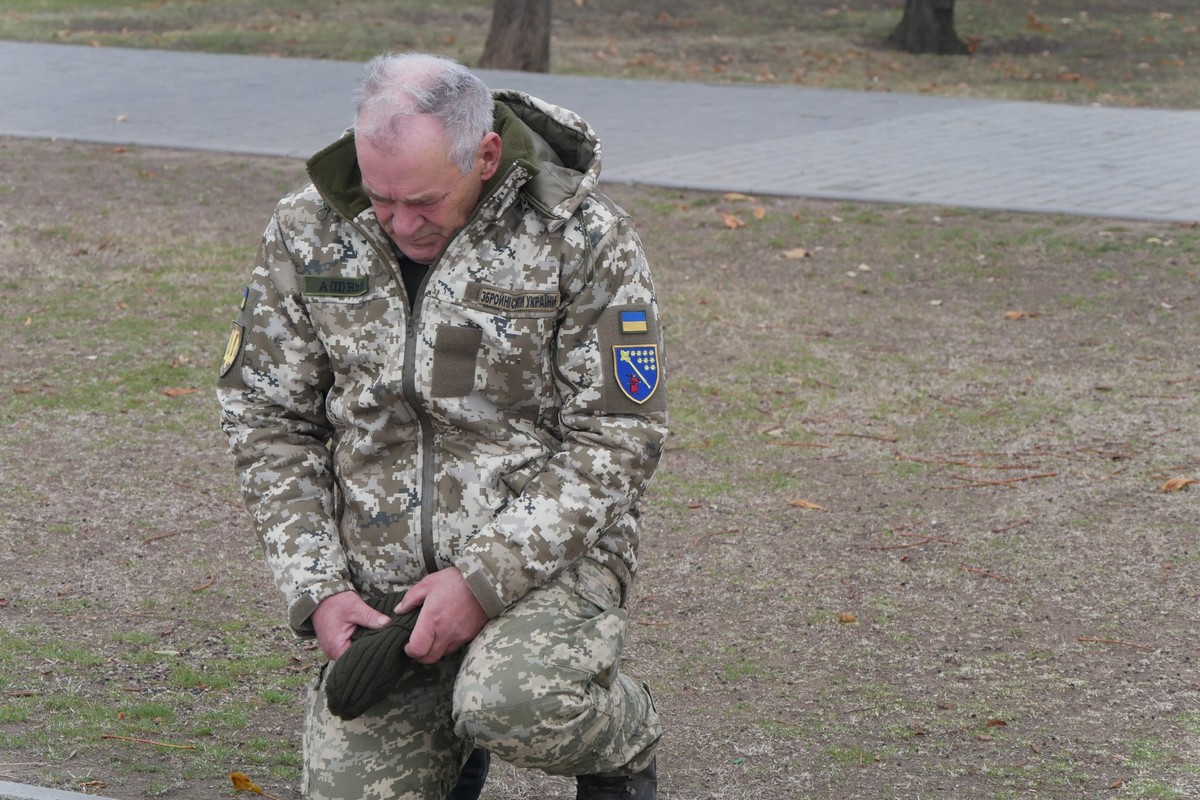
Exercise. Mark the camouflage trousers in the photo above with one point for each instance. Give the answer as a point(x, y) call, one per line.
point(540, 687)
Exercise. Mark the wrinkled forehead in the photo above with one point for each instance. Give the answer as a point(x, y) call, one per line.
point(412, 168)
point(391, 132)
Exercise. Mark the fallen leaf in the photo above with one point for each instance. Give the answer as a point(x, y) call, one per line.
point(733, 197)
point(846, 618)
point(732, 222)
point(242, 783)
point(180, 391)
point(1176, 484)
point(1015, 315)
point(996, 723)
point(796, 252)
point(805, 504)
point(1036, 24)
point(760, 212)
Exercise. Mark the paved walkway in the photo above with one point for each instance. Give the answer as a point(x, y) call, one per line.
point(782, 140)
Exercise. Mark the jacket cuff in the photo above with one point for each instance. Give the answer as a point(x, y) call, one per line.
point(493, 605)
point(301, 609)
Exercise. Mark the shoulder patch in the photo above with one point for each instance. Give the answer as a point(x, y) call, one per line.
point(233, 349)
point(636, 370)
point(633, 378)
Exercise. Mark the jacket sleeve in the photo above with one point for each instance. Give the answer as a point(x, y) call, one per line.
point(272, 392)
point(611, 440)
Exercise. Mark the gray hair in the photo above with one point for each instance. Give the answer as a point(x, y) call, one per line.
point(399, 86)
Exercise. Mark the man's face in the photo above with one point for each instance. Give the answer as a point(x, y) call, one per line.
point(421, 198)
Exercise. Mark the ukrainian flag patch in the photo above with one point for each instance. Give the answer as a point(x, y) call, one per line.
point(633, 322)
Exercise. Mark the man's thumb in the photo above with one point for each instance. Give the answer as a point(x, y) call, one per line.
point(420, 642)
point(376, 620)
point(368, 617)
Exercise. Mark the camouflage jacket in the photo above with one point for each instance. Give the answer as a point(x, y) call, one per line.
point(505, 423)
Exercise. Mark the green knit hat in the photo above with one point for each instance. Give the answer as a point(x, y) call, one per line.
point(373, 664)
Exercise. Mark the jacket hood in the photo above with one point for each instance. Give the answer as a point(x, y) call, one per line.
point(551, 156)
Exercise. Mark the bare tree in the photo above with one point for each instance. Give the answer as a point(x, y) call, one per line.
point(928, 27)
point(519, 37)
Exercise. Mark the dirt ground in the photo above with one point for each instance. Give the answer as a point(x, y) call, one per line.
point(910, 539)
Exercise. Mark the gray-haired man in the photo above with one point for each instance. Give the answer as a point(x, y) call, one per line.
point(446, 380)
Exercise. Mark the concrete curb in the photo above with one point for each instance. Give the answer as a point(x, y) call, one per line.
point(19, 791)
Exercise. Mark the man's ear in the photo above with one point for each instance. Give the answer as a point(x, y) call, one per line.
point(488, 154)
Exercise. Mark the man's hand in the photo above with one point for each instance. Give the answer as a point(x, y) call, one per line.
point(336, 619)
point(450, 615)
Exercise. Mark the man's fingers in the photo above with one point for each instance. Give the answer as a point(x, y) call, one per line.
point(372, 619)
point(413, 597)
point(338, 617)
point(336, 645)
point(420, 644)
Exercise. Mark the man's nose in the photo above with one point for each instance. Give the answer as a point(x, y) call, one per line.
point(405, 223)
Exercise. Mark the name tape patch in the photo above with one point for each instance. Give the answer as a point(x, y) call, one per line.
point(526, 303)
point(322, 286)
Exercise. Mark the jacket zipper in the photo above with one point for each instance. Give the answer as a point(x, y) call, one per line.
point(428, 550)
point(425, 423)
point(409, 390)
point(409, 381)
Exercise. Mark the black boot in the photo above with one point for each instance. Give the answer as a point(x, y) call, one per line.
point(642, 786)
point(474, 773)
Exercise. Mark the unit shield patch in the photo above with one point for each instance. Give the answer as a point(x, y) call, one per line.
point(636, 367)
point(232, 348)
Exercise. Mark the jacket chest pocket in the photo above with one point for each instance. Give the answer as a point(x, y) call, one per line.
point(502, 357)
point(358, 332)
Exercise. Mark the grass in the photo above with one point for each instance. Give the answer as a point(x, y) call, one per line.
point(192, 704)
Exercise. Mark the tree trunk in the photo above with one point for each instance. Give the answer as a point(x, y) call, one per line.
point(519, 37)
point(928, 27)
